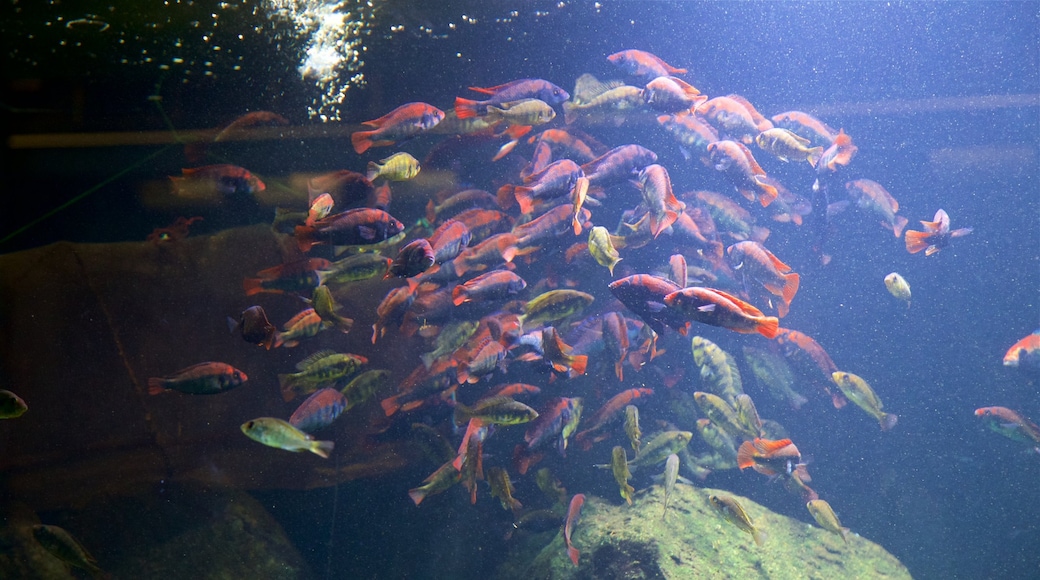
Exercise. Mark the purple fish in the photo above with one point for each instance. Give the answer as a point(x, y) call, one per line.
point(319, 410)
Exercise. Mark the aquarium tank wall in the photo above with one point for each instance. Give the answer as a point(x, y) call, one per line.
point(391, 289)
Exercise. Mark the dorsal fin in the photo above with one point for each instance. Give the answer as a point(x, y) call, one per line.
point(310, 360)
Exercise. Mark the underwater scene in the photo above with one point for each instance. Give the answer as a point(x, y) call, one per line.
point(317, 289)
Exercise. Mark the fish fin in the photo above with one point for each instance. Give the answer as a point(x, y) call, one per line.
point(768, 326)
point(791, 283)
point(418, 494)
point(232, 325)
point(888, 420)
point(768, 192)
point(759, 536)
point(931, 250)
point(252, 286)
point(960, 232)
point(458, 296)
point(838, 400)
point(898, 225)
point(746, 455)
point(487, 90)
point(573, 553)
point(578, 363)
point(466, 108)
point(390, 406)
point(155, 386)
point(313, 358)
point(322, 448)
point(768, 447)
point(305, 237)
point(916, 241)
point(814, 156)
point(782, 309)
point(525, 198)
point(619, 370)
point(373, 170)
point(361, 140)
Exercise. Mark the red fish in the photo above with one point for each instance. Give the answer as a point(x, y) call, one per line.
point(739, 166)
point(552, 223)
point(937, 235)
point(717, 308)
point(556, 180)
point(319, 410)
point(405, 121)
point(353, 227)
point(206, 378)
point(643, 64)
point(1025, 353)
point(498, 249)
point(644, 294)
point(768, 457)
point(731, 117)
point(840, 152)
point(512, 91)
point(558, 354)
point(606, 414)
point(658, 198)
point(1011, 425)
point(618, 164)
point(805, 125)
point(252, 119)
point(413, 259)
point(615, 340)
point(671, 95)
point(494, 285)
point(300, 276)
point(573, 513)
point(797, 346)
point(220, 179)
point(756, 262)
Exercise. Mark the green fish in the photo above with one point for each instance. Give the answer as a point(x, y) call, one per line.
point(719, 440)
point(671, 475)
point(553, 306)
point(364, 386)
point(823, 514)
point(278, 433)
point(438, 481)
point(718, 370)
point(319, 370)
point(731, 509)
point(632, 427)
point(601, 247)
point(723, 415)
point(619, 465)
point(495, 411)
point(356, 268)
point(551, 486)
point(325, 306)
point(773, 372)
point(660, 447)
point(64, 547)
point(11, 405)
point(747, 414)
point(502, 488)
point(449, 339)
point(859, 392)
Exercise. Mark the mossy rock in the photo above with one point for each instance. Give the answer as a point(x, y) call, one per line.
point(694, 541)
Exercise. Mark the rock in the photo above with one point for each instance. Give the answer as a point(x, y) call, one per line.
point(694, 541)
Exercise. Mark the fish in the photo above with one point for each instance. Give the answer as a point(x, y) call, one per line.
point(871, 196)
point(724, 416)
point(208, 378)
point(364, 386)
point(602, 248)
point(439, 481)
point(398, 167)
point(718, 370)
point(805, 125)
point(319, 410)
point(359, 226)
point(615, 340)
point(449, 240)
point(937, 235)
point(459, 202)
point(554, 306)
point(301, 276)
point(391, 310)
point(671, 474)
point(280, 434)
point(494, 285)
point(659, 447)
point(413, 259)
point(632, 427)
point(502, 488)
point(62, 545)
point(718, 308)
point(254, 327)
point(251, 119)
point(608, 105)
point(773, 372)
point(812, 359)
point(668, 94)
point(644, 295)
point(618, 164)
point(578, 197)
point(327, 309)
point(356, 268)
point(321, 369)
point(786, 145)
point(640, 63)
point(173, 233)
point(733, 120)
point(345, 187)
point(759, 264)
point(558, 420)
point(858, 391)
point(736, 162)
point(497, 410)
point(512, 91)
point(734, 513)
point(692, 133)
point(769, 457)
point(1011, 424)
point(11, 405)
point(402, 123)
point(607, 413)
point(536, 521)
point(1024, 354)
point(619, 466)
point(823, 514)
point(898, 287)
point(320, 207)
point(660, 202)
point(573, 513)
point(304, 324)
point(522, 112)
point(725, 451)
point(841, 152)
point(222, 180)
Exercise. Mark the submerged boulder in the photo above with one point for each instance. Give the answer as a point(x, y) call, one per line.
point(695, 541)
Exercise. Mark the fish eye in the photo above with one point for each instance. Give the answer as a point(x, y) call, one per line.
point(249, 425)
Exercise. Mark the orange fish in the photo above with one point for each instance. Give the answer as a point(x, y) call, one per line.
point(768, 457)
point(732, 118)
point(660, 202)
point(804, 351)
point(1025, 353)
point(805, 125)
point(221, 179)
point(870, 195)
point(643, 64)
point(758, 263)
point(573, 513)
point(735, 160)
point(1011, 425)
point(840, 152)
point(615, 340)
point(937, 235)
point(606, 414)
point(494, 285)
point(717, 308)
point(405, 121)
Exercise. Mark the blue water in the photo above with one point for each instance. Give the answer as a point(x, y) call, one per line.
point(945, 496)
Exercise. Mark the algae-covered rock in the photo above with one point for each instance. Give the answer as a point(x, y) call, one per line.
point(695, 541)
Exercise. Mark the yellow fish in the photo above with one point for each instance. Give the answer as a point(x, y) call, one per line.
point(397, 167)
point(898, 287)
point(859, 392)
point(823, 514)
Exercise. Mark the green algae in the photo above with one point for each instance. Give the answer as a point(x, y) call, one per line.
point(694, 541)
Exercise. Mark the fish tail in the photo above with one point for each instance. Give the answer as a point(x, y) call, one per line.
point(390, 406)
point(252, 286)
point(458, 295)
point(888, 420)
point(916, 241)
point(768, 192)
point(507, 248)
point(573, 553)
point(525, 198)
point(577, 226)
point(759, 536)
point(322, 448)
point(505, 196)
point(838, 400)
point(305, 237)
point(814, 155)
point(373, 170)
point(845, 535)
point(768, 326)
point(466, 108)
point(570, 112)
point(418, 494)
point(619, 370)
point(898, 225)
point(361, 140)
point(791, 283)
point(578, 363)
point(155, 386)
point(746, 455)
